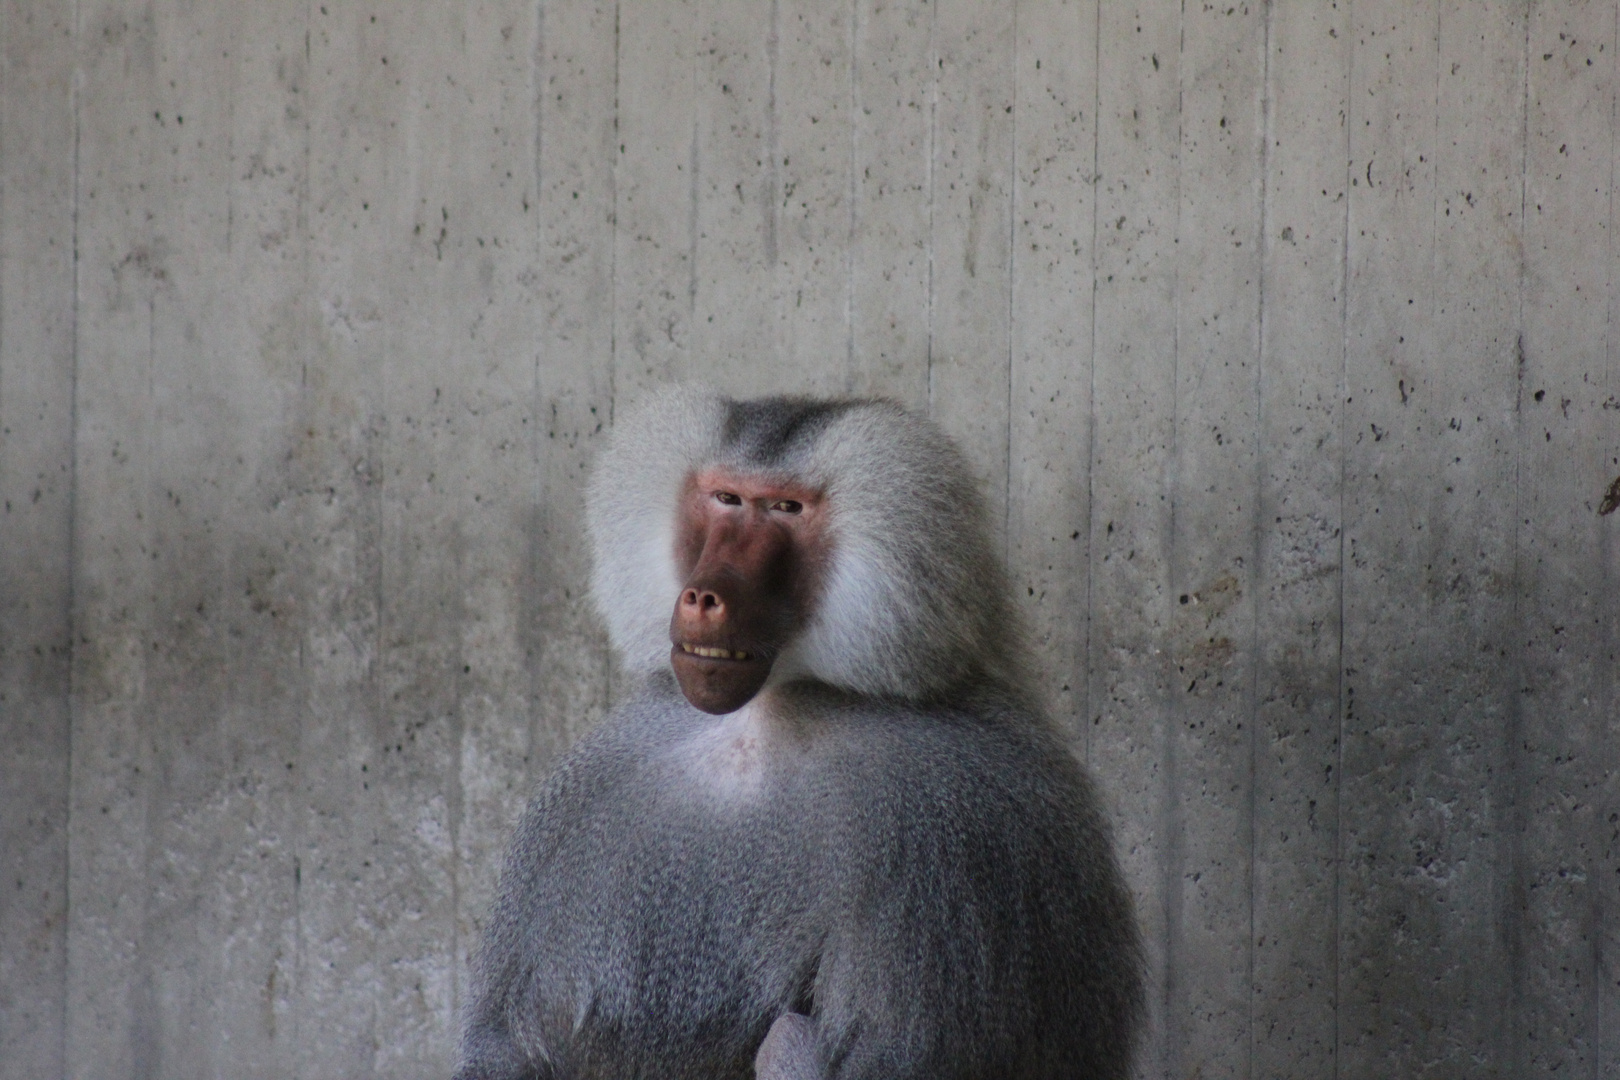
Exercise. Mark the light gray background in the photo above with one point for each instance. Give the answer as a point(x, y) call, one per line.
point(1279, 335)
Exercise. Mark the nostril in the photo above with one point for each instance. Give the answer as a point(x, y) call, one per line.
point(704, 602)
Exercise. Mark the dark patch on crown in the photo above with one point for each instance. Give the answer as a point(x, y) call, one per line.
point(764, 432)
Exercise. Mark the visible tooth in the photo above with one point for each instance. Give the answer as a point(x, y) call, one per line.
point(713, 652)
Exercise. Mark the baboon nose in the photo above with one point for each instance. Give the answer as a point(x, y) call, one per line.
point(702, 602)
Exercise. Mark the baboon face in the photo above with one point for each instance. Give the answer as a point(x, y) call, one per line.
point(749, 548)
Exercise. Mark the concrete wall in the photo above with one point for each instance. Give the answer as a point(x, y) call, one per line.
point(1280, 335)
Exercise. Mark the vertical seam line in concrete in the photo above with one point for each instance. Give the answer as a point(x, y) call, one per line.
point(1012, 293)
point(1606, 639)
point(377, 430)
point(1091, 404)
point(1512, 917)
point(1255, 661)
point(303, 390)
point(230, 152)
point(456, 792)
point(1427, 340)
point(933, 140)
point(74, 101)
point(537, 404)
point(692, 163)
point(610, 663)
point(617, 153)
point(1344, 526)
point(1434, 175)
point(5, 80)
point(772, 178)
point(609, 666)
point(1169, 810)
point(852, 193)
point(232, 649)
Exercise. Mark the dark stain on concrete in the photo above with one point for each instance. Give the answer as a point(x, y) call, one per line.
point(1611, 500)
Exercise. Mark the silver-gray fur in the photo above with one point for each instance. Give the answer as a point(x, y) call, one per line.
point(897, 854)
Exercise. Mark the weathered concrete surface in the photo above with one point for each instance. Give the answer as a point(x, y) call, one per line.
point(1279, 335)
point(36, 515)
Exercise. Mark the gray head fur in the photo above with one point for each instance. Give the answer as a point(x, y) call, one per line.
point(914, 603)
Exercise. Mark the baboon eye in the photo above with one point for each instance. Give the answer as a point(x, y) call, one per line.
point(787, 506)
point(728, 498)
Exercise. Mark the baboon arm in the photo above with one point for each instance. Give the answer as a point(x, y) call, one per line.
point(789, 1050)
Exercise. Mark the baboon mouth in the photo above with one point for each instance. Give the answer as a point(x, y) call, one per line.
point(716, 679)
point(711, 652)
